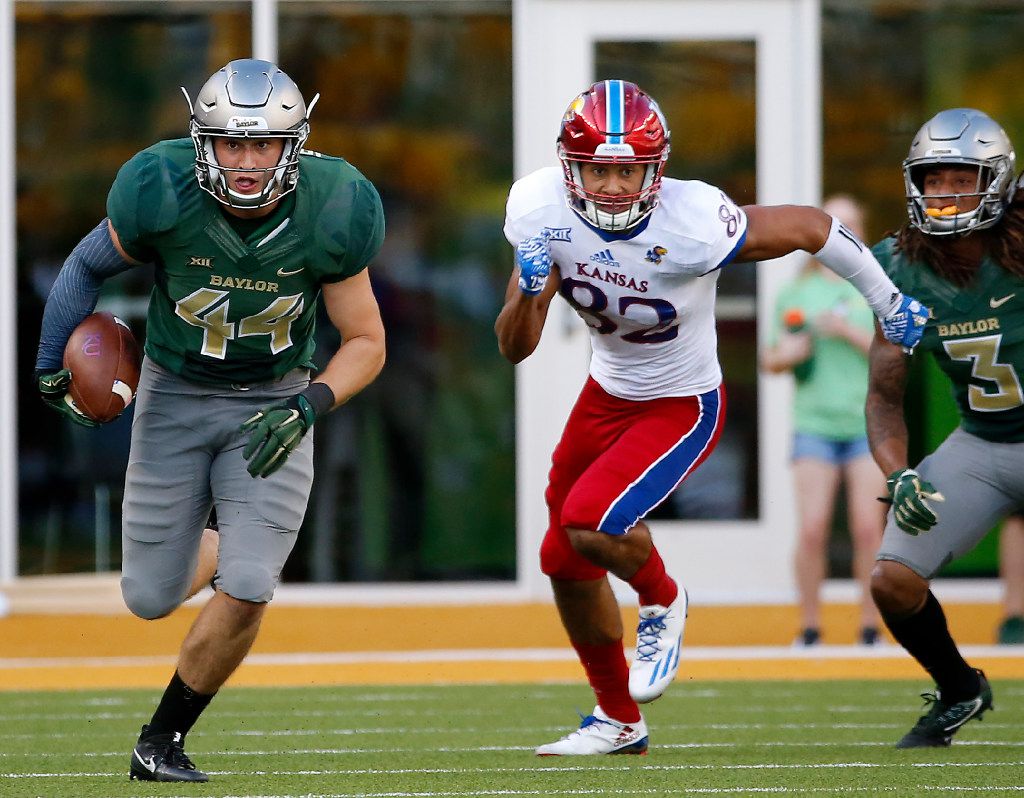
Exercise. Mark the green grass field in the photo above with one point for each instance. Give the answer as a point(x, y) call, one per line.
point(707, 738)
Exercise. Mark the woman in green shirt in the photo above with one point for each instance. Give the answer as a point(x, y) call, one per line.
point(822, 335)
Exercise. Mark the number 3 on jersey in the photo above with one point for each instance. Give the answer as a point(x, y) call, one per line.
point(665, 329)
point(983, 355)
point(208, 310)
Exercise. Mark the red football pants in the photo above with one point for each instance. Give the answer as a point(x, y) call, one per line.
point(617, 460)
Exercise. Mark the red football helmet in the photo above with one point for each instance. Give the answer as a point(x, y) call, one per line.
point(613, 121)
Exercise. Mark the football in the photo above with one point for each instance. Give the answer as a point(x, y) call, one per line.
point(104, 360)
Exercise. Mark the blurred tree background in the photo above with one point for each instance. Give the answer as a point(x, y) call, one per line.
point(416, 477)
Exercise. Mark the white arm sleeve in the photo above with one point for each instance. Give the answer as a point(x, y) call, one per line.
point(849, 257)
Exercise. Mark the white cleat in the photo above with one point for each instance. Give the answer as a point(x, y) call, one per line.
point(658, 640)
point(599, 734)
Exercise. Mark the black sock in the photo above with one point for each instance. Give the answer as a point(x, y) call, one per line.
point(926, 638)
point(178, 710)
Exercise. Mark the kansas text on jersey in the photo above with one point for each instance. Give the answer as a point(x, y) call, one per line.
point(648, 295)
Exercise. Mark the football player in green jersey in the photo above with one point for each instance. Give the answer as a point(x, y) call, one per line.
point(962, 255)
point(246, 230)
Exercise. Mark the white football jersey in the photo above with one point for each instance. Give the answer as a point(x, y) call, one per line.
point(648, 295)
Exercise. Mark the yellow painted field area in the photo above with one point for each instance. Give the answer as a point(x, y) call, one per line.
point(493, 643)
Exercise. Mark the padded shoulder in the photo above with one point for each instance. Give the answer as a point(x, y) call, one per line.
point(347, 215)
point(147, 195)
point(700, 211)
point(706, 227)
point(530, 203)
point(885, 252)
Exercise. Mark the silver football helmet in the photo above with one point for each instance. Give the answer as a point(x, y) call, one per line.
point(960, 137)
point(249, 98)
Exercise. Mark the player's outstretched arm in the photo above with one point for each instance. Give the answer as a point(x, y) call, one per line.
point(774, 231)
point(530, 290)
point(777, 230)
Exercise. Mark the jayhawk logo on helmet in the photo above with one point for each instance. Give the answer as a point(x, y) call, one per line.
point(574, 108)
point(613, 121)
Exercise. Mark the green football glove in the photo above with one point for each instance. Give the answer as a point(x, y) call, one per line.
point(53, 387)
point(276, 431)
point(910, 496)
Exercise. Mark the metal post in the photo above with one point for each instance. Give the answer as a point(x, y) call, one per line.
point(264, 30)
point(8, 312)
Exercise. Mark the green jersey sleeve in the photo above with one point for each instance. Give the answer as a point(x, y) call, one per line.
point(144, 200)
point(349, 228)
point(883, 252)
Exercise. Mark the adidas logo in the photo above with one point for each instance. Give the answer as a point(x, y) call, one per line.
point(627, 735)
point(604, 257)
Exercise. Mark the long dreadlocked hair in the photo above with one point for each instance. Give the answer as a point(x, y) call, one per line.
point(1003, 242)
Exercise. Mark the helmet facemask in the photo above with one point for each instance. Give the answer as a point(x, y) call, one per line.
point(280, 178)
point(249, 99)
point(610, 212)
point(943, 220)
point(965, 138)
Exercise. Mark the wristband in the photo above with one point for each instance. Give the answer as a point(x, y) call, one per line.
point(319, 396)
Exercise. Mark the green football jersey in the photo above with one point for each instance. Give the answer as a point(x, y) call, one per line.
point(976, 335)
point(231, 310)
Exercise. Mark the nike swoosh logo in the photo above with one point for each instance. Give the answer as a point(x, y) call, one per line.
point(975, 706)
point(282, 273)
point(148, 764)
point(995, 303)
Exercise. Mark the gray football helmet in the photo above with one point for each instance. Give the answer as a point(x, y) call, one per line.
point(249, 98)
point(964, 137)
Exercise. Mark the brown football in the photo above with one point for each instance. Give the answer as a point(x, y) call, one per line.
point(104, 360)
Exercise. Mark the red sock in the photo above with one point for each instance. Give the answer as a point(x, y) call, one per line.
point(652, 584)
point(608, 674)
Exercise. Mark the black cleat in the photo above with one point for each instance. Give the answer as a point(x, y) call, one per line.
point(162, 757)
point(935, 729)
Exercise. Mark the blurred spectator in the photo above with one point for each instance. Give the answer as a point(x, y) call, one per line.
point(822, 335)
point(1011, 571)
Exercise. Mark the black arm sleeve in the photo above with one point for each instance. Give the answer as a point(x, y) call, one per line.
point(75, 291)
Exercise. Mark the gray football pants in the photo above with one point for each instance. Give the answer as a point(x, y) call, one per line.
point(982, 481)
point(185, 457)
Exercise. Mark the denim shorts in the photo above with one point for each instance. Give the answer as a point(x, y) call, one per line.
point(830, 450)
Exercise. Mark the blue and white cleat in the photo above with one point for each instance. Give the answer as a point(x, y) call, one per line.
point(599, 734)
point(658, 640)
